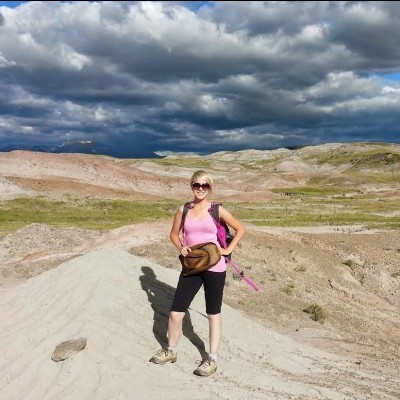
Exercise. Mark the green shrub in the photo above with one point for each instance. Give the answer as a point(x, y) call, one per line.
point(287, 288)
point(316, 312)
point(350, 263)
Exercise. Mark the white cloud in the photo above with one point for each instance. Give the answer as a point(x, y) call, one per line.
point(390, 90)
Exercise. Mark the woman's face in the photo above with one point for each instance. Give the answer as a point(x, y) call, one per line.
point(200, 188)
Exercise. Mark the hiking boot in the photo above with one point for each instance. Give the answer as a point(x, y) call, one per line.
point(206, 367)
point(163, 356)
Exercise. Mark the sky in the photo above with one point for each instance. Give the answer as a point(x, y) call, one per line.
point(143, 79)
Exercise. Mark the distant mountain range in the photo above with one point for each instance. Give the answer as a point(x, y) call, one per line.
point(81, 146)
point(388, 152)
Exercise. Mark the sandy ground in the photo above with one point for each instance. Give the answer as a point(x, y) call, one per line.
point(119, 303)
point(114, 288)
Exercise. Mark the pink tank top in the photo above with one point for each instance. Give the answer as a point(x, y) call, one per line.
point(201, 231)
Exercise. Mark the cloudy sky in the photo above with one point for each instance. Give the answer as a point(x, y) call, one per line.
point(130, 79)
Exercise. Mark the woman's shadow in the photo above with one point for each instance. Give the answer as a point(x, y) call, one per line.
point(160, 296)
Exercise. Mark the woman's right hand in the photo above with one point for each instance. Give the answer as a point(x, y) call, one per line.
point(185, 250)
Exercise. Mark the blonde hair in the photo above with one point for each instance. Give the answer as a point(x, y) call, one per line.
point(204, 176)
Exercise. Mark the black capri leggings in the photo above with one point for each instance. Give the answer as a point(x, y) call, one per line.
point(188, 286)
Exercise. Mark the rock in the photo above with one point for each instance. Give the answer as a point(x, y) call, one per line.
point(66, 349)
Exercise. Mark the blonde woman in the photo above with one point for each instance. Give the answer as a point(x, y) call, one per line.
point(199, 227)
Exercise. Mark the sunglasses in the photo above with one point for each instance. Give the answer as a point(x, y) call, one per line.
point(197, 186)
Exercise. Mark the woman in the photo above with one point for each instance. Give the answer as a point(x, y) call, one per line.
point(199, 227)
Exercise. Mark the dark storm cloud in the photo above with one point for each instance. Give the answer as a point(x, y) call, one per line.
point(132, 78)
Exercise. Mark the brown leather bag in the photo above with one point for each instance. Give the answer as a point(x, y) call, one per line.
point(202, 257)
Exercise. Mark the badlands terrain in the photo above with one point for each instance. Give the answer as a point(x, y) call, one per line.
point(348, 269)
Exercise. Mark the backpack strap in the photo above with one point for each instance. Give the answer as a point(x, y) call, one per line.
point(215, 211)
point(186, 208)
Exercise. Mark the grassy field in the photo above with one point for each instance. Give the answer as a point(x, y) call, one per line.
point(312, 211)
point(304, 207)
point(90, 214)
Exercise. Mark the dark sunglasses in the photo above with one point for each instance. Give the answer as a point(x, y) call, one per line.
point(197, 186)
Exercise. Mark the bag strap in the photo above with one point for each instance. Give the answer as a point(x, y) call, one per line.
point(242, 275)
point(215, 215)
